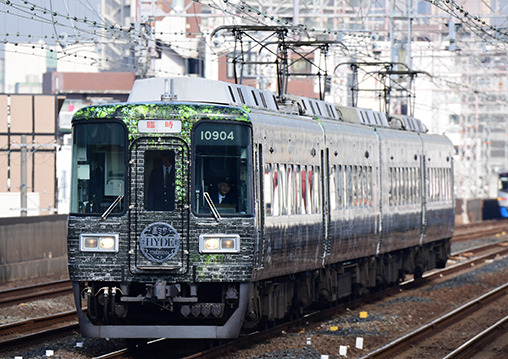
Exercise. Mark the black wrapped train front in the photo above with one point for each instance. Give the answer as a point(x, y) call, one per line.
point(219, 206)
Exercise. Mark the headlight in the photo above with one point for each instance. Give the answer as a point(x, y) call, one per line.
point(219, 243)
point(98, 242)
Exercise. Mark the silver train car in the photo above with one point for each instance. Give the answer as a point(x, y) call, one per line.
point(328, 203)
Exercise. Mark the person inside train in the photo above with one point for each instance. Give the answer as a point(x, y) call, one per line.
point(224, 195)
point(161, 188)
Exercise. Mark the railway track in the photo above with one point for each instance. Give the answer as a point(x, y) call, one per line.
point(478, 342)
point(36, 328)
point(18, 295)
point(479, 230)
point(480, 254)
point(400, 347)
point(26, 331)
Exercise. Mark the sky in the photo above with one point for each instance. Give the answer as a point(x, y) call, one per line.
point(34, 20)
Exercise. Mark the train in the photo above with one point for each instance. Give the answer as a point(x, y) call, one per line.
point(502, 194)
point(327, 203)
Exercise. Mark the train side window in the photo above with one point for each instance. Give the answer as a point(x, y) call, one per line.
point(409, 185)
point(404, 186)
point(333, 188)
point(303, 177)
point(276, 191)
point(418, 188)
point(311, 188)
point(317, 190)
point(431, 184)
point(340, 186)
point(399, 185)
point(435, 184)
point(290, 189)
point(356, 187)
point(390, 192)
point(449, 183)
point(268, 189)
point(407, 178)
point(298, 192)
point(441, 184)
point(363, 172)
point(349, 203)
point(364, 186)
point(283, 190)
point(400, 180)
point(369, 184)
point(430, 181)
point(395, 187)
point(415, 185)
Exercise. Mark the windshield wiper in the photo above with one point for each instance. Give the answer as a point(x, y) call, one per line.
point(214, 210)
point(111, 208)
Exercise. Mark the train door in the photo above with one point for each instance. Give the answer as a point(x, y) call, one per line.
point(259, 175)
point(159, 205)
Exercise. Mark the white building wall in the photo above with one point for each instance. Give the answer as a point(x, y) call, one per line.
point(23, 65)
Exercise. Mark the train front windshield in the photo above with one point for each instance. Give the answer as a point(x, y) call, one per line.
point(503, 182)
point(222, 168)
point(98, 167)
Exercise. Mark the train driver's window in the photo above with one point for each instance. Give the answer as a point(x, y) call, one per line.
point(222, 168)
point(98, 167)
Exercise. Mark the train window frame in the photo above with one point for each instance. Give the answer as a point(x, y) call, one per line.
point(268, 186)
point(298, 190)
point(283, 189)
point(243, 177)
point(121, 207)
point(304, 184)
point(277, 191)
point(333, 188)
point(154, 189)
point(340, 187)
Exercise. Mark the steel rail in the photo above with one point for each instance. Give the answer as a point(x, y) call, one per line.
point(28, 330)
point(33, 292)
point(316, 317)
point(478, 342)
point(404, 342)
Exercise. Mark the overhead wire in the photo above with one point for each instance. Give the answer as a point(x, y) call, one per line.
point(98, 32)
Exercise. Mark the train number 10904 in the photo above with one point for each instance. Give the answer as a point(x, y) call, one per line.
point(217, 136)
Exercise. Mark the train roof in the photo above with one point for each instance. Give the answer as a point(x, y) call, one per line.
point(196, 89)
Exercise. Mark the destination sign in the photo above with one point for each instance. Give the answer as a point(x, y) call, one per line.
point(159, 126)
point(221, 134)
